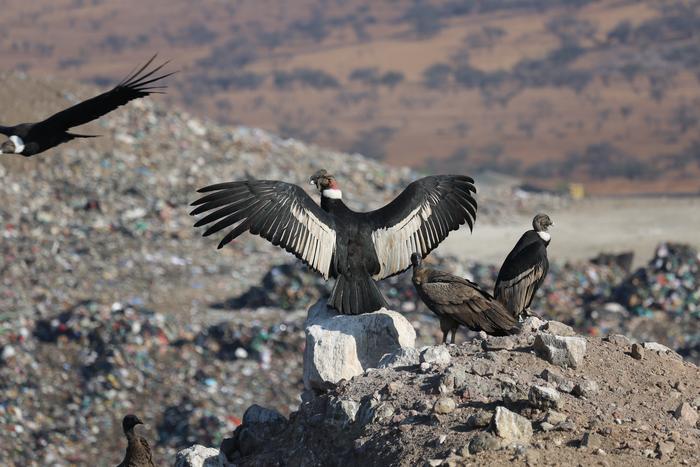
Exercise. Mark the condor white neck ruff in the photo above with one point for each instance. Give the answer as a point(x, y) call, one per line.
point(18, 142)
point(544, 236)
point(332, 193)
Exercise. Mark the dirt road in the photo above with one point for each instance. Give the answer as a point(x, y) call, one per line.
point(586, 228)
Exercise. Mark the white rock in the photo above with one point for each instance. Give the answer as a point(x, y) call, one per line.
point(406, 356)
point(437, 354)
point(342, 346)
point(559, 329)
point(686, 414)
point(544, 397)
point(199, 456)
point(562, 351)
point(511, 427)
point(531, 324)
point(656, 347)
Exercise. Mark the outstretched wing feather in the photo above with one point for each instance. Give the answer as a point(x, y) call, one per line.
point(280, 212)
point(419, 219)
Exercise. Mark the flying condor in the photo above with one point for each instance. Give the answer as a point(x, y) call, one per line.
point(29, 139)
point(524, 269)
point(138, 452)
point(356, 248)
point(458, 301)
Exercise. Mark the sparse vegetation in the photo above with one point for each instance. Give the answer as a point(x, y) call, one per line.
point(372, 142)
point(437, 76)
point(317, 79)
point(424, 18)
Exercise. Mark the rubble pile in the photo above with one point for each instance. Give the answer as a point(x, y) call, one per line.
point(491, 401)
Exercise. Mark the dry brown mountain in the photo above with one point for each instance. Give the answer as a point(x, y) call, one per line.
point(604, 92)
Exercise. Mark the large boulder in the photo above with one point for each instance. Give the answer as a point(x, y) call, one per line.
point(342, 346)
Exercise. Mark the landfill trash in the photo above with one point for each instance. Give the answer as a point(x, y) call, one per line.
point(110, 302)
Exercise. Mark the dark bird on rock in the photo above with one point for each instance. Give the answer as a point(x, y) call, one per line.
point(29, 139)
point(356, 248)
point(138, 452)
point(524, 269)
point(458, 301)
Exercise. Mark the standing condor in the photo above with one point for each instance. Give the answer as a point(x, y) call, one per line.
point(29, 139)
point(138, 452)
point(356, 248)
point(525, 268)
point(458, 301)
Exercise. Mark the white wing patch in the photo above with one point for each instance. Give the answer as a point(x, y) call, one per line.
point(394, 245)
point(319, 246)
point(18, 142)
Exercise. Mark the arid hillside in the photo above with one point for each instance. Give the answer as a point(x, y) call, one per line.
point(601, 92)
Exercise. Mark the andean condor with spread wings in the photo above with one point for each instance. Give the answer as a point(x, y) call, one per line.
point(356, 248)
point(28, 139)
point(525, 268)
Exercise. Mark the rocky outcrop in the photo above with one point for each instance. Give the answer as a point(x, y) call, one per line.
point(342, 346)
point(490, 402)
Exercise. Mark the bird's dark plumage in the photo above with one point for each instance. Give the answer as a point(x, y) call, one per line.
point(357, 248)
point(28, 139)
point(456, 301)
point(525, 268)
point(138, 452)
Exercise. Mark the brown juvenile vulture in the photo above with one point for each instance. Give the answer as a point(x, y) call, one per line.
point(459, 301)
point(138, 452)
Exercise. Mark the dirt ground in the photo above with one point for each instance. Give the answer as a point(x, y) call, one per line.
point(586, 228)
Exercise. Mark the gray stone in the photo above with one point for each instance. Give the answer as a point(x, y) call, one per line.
point(256, 414)
point(199, 456)
point(479, 419)
point(342, 346)
point(555, 418)
point(481, 367)
point(546, 426)
point(438, 354)
point(499, 343)
point(637, 352)
point(531, 324)
point(586, 388)
point(543, 397)
point(619, 340)
point(511, 427)
point(444, 405)
point(591, 440)
point(342, 412)
point(686, 414)
point(562, 351)
point(566, 386)
point(459, 373)
point(559, 380)
point(558, 329)
point(405, 356)
point(484, 441)
point(665, 448)
point(447, 384)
